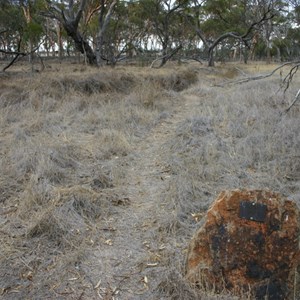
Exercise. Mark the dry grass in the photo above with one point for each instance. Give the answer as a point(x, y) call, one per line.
point(68, 140)
point(237, 137)
point(64, 137)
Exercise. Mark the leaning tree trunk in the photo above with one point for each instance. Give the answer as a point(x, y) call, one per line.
point(70, 19)
point(81, 44)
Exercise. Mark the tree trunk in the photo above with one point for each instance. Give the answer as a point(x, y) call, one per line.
point(99, 50)
point(164, 58)
point(70, 22)
point(81, 44)
point(211, 61)
point(59, 41)
point(278, 53)
point(246, 55)
point(268, 53)
point(103, 23)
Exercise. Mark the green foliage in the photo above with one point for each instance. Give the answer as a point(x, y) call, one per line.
point(135, 23)
point(33, 32)
point(224, 16)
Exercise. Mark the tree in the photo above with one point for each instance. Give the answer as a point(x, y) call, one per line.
point(164, 19)
point(104, 19)
point(33, 29)
point(21, 29)
point(102, 30)
point(11, 26)
point(217, 21)
point(69, 15)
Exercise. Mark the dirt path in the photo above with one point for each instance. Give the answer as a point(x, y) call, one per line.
point(134, 253)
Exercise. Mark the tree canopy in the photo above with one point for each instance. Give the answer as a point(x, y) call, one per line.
point(106, 31)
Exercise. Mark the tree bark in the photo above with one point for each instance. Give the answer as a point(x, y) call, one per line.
point(81, 44)
point(70, 21)
point(59, 41)
point(103, 23)
point(211, 61)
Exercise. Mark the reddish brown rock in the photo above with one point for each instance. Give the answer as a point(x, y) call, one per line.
point(249, 242)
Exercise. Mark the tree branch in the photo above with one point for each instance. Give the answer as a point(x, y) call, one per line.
point(258, 77)
point(289, 77)
point(198, 32)
point(223, 37)
point(167, 56)
point(108, 16)
point(80, 12)
point(13, 52)
point(264, 18)
point(293, 103)
point(19, 53)
point(91, 13)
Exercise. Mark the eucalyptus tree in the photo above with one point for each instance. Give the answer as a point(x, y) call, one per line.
point(33, 29)
point(11, 26)
point(20, 28)
point(131, 28)
point(69, 14)
point(218, 21)
point(105, 15)
point(163, 24)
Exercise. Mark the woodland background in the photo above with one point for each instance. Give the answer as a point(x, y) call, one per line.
point(150, 31)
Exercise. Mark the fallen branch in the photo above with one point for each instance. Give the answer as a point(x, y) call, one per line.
point(12, 62)
point(289, 77)
point(19, 53)
point(294, 101)
point(258, 77)
point(286, 81)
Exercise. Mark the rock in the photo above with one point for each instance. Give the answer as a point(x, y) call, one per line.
point(248, 243)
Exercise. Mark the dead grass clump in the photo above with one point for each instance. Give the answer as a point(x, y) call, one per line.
point(175, 286)
point(58, 225)
point(114, 143)
point(190, 131)
point(71, 215)
point(228, 72)
point(100, 82)
point(12, 95)
point(46, 160)
point(150, 94)
point(89, 205)
point(176, 81)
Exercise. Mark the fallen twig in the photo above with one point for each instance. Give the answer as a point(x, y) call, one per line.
point(294, 101)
